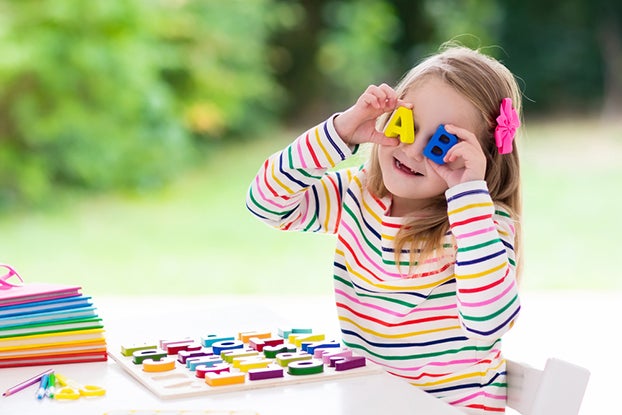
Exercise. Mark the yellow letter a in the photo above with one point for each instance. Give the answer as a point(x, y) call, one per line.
point(401, 124)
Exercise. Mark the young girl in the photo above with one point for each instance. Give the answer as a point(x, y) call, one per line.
point(426, 259)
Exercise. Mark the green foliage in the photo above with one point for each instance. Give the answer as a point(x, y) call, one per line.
point(356, 45)
point(474, 23)
point(82, 100)
point(555, 49)
point(374, 41)
point(218, 63)
point(113, 94)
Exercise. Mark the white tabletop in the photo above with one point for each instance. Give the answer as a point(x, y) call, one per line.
point(129, 320)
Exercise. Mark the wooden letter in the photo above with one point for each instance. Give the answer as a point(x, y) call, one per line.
point(401, 124)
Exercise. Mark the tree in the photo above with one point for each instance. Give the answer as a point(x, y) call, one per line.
point(119, 94)
point(567, 53)
point(610, 36)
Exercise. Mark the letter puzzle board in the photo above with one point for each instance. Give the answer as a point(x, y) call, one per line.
point(214, 364)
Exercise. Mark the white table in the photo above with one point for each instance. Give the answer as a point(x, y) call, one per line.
point(130, 320)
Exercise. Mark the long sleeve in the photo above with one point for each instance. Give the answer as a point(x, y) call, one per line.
point(294, 189)
point(485, 269)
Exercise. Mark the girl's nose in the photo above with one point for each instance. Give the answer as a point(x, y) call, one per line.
point(415, 150)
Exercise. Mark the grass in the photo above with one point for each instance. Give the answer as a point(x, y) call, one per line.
point(196, 236)
point(572, 176)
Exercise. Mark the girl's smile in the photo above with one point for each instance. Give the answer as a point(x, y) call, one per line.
point(404, 168)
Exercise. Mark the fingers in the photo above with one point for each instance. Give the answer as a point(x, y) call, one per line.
point(380, 138)
point(380, 97)
point(465, 161)
point(468, 147)
point(462, 134)
point(438, 169)
point(357, 123)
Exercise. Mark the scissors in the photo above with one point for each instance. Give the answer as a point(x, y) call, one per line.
point(5, 284)
point(70, 390)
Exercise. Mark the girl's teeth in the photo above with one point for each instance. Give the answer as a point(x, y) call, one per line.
point(406, 168)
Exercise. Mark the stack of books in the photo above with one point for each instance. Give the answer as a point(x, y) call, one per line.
point(44, 323)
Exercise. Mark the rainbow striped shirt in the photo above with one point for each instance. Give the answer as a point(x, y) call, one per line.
point(439, 327)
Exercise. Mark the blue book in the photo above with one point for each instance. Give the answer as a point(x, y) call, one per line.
point(47, 317)
point(45, 306)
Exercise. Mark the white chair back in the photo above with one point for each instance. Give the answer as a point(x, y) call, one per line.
point(558, 389)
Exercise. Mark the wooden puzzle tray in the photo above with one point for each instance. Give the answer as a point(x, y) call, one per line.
point(214, 364)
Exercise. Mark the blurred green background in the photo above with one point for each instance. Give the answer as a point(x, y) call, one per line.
point(130, 131)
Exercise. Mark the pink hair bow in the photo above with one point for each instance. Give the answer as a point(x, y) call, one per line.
point(507, 124)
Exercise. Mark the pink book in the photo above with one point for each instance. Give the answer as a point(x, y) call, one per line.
point(36, 291)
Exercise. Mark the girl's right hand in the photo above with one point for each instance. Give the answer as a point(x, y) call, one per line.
point(357, 124)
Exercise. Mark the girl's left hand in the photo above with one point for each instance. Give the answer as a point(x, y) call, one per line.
point(464, 162)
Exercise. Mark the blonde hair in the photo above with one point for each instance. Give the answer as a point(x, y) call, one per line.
point(484, 82)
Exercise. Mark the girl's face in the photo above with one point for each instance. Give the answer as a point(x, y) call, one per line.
point(404, 170)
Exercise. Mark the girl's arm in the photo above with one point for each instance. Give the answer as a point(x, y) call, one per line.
point(485, 269)
point(294, 191)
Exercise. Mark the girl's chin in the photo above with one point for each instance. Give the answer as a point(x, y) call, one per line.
point(416, 189)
